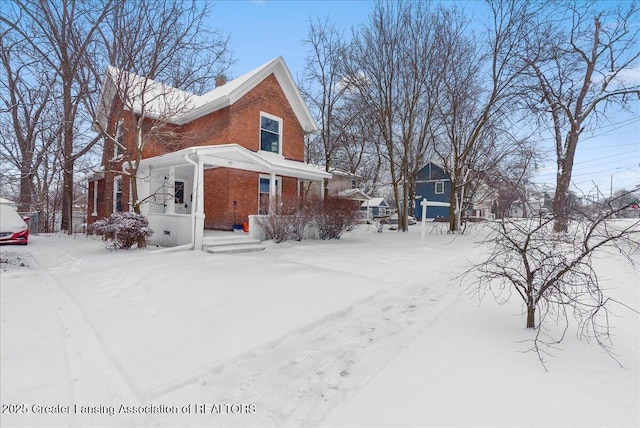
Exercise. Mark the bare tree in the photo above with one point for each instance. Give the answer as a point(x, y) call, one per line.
point(76, 40)
point(359, 145)
point(477, 98)
point(155, 48)
point(389, 63)
point(553, 273)
point(23, 142)
point(61, 35)
point(513, 176)
point(577, 55)
point(324, 89)
point(31, 125)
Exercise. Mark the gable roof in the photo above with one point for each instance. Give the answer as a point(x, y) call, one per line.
point(355, 194)
point(432, 171)
point(161, 99)
point(375, 202)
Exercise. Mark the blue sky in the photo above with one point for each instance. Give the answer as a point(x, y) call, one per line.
point(262, 30)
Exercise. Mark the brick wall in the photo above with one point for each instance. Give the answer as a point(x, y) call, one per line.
point(268, 98)
point(240, 122)
point(230, 195)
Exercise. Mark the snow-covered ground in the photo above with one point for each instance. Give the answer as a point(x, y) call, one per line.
point(369, 330)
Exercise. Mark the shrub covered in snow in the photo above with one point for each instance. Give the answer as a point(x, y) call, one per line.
point(333, 216)
point(123, 230)
point(287, 219)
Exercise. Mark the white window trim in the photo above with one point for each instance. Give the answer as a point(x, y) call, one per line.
point(441, 183)
point(116, 179)
point(278, 183)
point(280, 128)
point(119, 135)
point(278, 186)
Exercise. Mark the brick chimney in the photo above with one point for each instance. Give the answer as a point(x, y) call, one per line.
point(221, 79)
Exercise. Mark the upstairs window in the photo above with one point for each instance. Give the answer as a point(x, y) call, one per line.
point(354, 183)
point(118, 150)
point(270, 133)
point(439, 187)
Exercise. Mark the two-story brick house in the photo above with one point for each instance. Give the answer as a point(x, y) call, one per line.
point(233, 150)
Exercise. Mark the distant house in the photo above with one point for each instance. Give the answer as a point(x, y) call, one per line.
point(534, 208)
point(243, 145)
point(434, 185)
point(376, 207)
point(342, 184)
point(341, 181)
point(355, 195)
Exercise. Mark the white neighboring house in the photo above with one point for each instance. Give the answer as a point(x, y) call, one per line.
point(355, 195)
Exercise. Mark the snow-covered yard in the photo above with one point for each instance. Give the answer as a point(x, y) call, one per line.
point(370, 330)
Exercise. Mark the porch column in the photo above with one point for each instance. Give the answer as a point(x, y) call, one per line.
point(95, 199)
point(272, 190)
point(198, 189)
point(170, 200)
point(321, 189)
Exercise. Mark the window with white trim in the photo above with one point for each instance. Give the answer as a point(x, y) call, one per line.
point(264, 193)
point(270, 133)
point(439, 187)
point(118, 150)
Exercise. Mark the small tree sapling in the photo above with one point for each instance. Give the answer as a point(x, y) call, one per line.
point(553, 273)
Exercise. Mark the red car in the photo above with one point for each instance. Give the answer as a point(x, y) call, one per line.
point(13, 229)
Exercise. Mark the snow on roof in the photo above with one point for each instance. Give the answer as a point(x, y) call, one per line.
point(4, 201)
point(236, 156)
point(354, 194)
point(342, 173)
point(375, 202)
point(161, 101)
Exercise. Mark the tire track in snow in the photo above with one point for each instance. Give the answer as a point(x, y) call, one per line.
point(96, 377)
point(298, 379)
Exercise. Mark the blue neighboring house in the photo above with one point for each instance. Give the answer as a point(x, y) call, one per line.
point(432, 183)
point(376, 207)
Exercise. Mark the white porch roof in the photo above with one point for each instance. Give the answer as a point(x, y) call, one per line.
point(237, 157)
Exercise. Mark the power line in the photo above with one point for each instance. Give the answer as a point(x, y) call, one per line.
point(581, 163)
point(610, 146)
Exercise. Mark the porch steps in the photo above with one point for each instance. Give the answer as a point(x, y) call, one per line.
point(231, 244)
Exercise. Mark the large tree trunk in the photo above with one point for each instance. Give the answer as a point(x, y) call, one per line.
point(25, 202)
point(402, 211)
point(135, 200)
point(67, 198)
point(453, 223)
point(561, 202)
point(67, 148)
point(531, 316)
